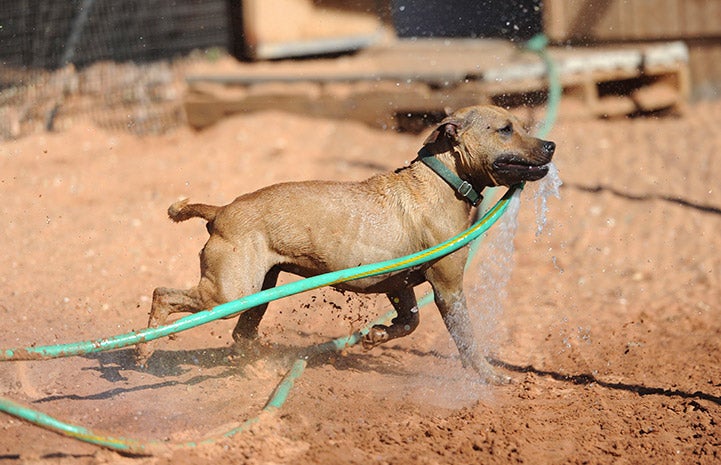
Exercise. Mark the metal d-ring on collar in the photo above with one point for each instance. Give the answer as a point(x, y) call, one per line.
point(464, 188)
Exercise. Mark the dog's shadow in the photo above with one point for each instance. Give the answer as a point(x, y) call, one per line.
point(171, 366)
point(586, 379)
point(168, 366)
point(114, 365)
point(221, 362)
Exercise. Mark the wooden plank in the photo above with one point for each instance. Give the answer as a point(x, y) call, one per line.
point(701, 18)
point(613, 106)
point(657, 96)
point(604, 20)
point(287, 28)
point(555, 24)
point(657, 20)
point(705, 69)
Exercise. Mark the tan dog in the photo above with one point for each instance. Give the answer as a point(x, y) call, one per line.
point(309, 228)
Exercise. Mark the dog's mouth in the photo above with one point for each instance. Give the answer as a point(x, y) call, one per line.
point(517, 169)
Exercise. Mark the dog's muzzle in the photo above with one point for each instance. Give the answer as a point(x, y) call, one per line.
point(514, 168)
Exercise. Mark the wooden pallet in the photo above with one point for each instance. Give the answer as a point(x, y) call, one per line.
point(608, 82)
point(391, 87)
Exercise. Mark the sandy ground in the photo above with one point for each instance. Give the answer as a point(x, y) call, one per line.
point(609, 327)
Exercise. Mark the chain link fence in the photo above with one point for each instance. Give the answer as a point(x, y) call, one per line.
point(115, 63)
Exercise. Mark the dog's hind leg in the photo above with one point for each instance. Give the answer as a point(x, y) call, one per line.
point(249, 320)
point(165, 302)
point(406, 321)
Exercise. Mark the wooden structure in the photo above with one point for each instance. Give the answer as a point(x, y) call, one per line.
point(609, 22)
point(631, 20)
point(271, 29)
point(395, 85)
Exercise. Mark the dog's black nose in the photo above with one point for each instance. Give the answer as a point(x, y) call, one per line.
point(549, 147)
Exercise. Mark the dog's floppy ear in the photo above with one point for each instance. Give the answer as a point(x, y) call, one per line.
point(446, 128)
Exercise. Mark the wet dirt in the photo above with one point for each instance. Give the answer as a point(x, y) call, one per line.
point(609, 327)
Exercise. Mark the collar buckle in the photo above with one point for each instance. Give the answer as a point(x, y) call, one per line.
point(466, 190)
point(463, 188)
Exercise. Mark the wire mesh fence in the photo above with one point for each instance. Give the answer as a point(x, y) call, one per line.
point(114, 63)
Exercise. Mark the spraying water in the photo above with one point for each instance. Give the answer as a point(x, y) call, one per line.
point(494, 271)
point(443, 385)
point(548, 186)
point(495, 268)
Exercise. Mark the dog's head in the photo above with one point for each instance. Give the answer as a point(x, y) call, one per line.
point(492, 146)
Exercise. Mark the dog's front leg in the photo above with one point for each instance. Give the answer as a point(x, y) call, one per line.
point(455, 316)
point(451, 303)
point(404, 302)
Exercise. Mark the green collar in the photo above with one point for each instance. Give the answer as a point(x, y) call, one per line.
point(464, 188)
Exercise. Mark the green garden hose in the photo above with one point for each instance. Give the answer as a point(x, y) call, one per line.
point(136, 447)
point(538, 44)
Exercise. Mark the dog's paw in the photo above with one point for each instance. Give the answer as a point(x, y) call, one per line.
point(142, 354)
point(487, 374)
point(377, 335)
point(494, 378)
point(245, 351)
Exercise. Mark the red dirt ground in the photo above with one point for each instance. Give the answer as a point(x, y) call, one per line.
point(610, 328)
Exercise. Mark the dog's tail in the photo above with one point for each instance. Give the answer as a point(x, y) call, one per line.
point(182, 210)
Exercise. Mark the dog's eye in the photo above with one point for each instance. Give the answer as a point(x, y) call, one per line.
point(506, 130)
